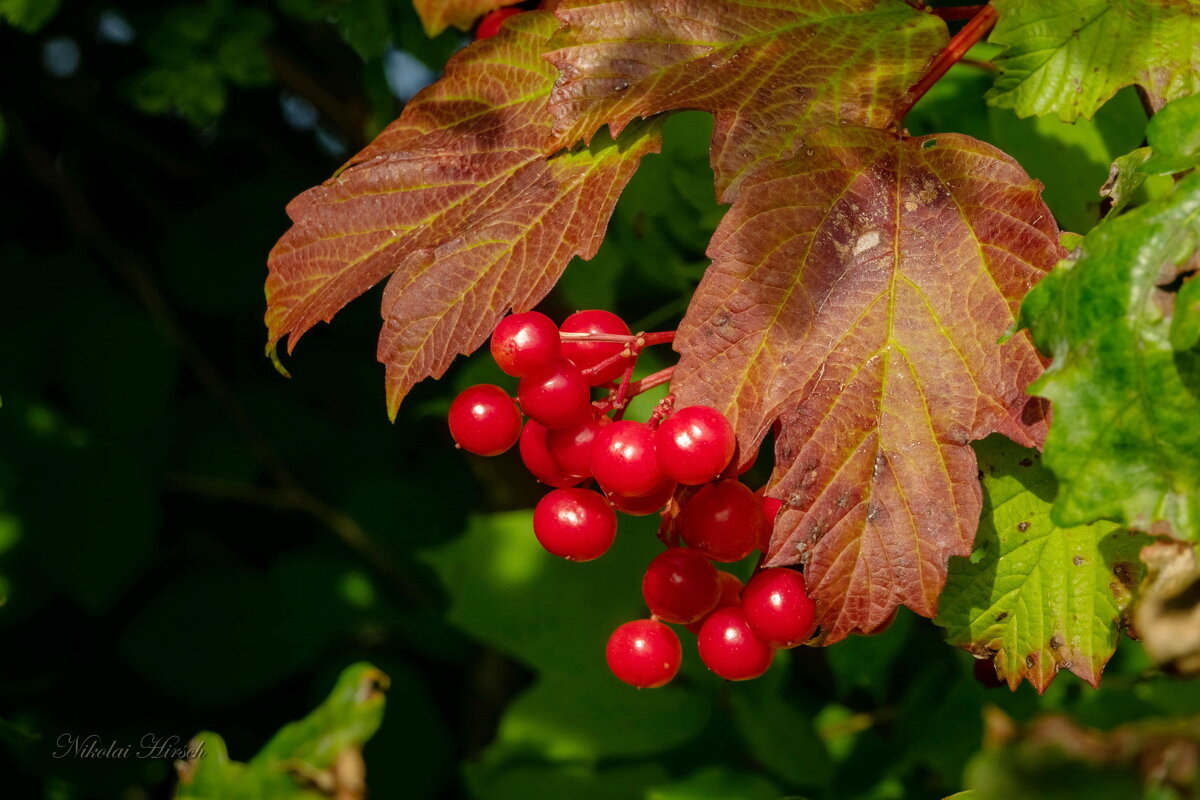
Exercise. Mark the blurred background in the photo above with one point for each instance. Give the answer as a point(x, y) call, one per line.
point(190, 541)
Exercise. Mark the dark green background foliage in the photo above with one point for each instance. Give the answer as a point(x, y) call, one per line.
point(188, 541)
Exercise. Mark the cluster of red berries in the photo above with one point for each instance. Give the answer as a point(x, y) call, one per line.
point(638, 468)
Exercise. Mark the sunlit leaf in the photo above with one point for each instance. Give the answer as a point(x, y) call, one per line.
point(1067, 57)
point(770, 72)
point(857, 295)
point(1125, 445)
point(456, 199)
point(1036, 597)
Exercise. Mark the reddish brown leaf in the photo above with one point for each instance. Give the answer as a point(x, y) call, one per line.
point(457, 200)
point(437, 15)
point(857, 293)
point(769, 72)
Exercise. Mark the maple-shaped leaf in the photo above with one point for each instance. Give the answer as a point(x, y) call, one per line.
point(769, 72)
point(437, 15)
point(857, 295)
point(1126, 440)
point(1036, 597)
point(456, 201)
point(1067, 57)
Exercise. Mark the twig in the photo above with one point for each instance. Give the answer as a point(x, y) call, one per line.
point(955, 49)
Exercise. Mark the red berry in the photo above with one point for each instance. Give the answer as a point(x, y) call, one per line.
point(572, 447)
point(771, 507)
point(576, 524)
point(490, 24)
point(648, 503)
point(623, 459)
point(694, 444)
point(731, 595)
point(680, 586)
point(484, 420)
point(777, 607)
point(724, 521)
point(537, 458)
point(589, 354)
point(729, 647)
point(557, 396)
point(644, 653)
point(524, 343)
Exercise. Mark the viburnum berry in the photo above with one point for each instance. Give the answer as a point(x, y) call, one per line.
point(484, 420)
point(731, 595)
point(777, 607)
point(589, 354)
point(557, 396)
point(623, 459)
point(644, 653)
point(730, 648)
point(648, 503)
point(723, 520)
point(572, 447)
point(680, 586)
point(771, 507)
point(695, 444)
point(537, 458)
point(490, 24)
point(524, 343)
point(577, 524)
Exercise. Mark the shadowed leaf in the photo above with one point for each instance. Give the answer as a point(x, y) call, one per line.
point(856, 295)
point(456, 199)
point(318, 756)
point(1036, 597)
point(1125, 445)
point(1067, 57)
point(770, 71)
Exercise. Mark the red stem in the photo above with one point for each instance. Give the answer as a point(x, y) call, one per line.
point(955, 49)
point(650, 381)
point(647, 339)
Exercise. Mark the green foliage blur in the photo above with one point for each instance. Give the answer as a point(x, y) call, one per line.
point(190, 542)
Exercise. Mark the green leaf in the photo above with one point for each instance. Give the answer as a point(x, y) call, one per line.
point(1124, 445)
point(1174, 136)
point(28, 15)
point(1034, 596)
point(1067, 57)
point(317, 751)
point(620, 781)
point(1174, 146)
point(782, 738)
point(716, 783)
point(586, 716)
point(1185, 324)
point(768, 72)
point(1125, 177)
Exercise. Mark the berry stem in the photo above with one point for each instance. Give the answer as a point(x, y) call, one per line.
point(650, 381)
point(638, 339)
point(953, 52)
